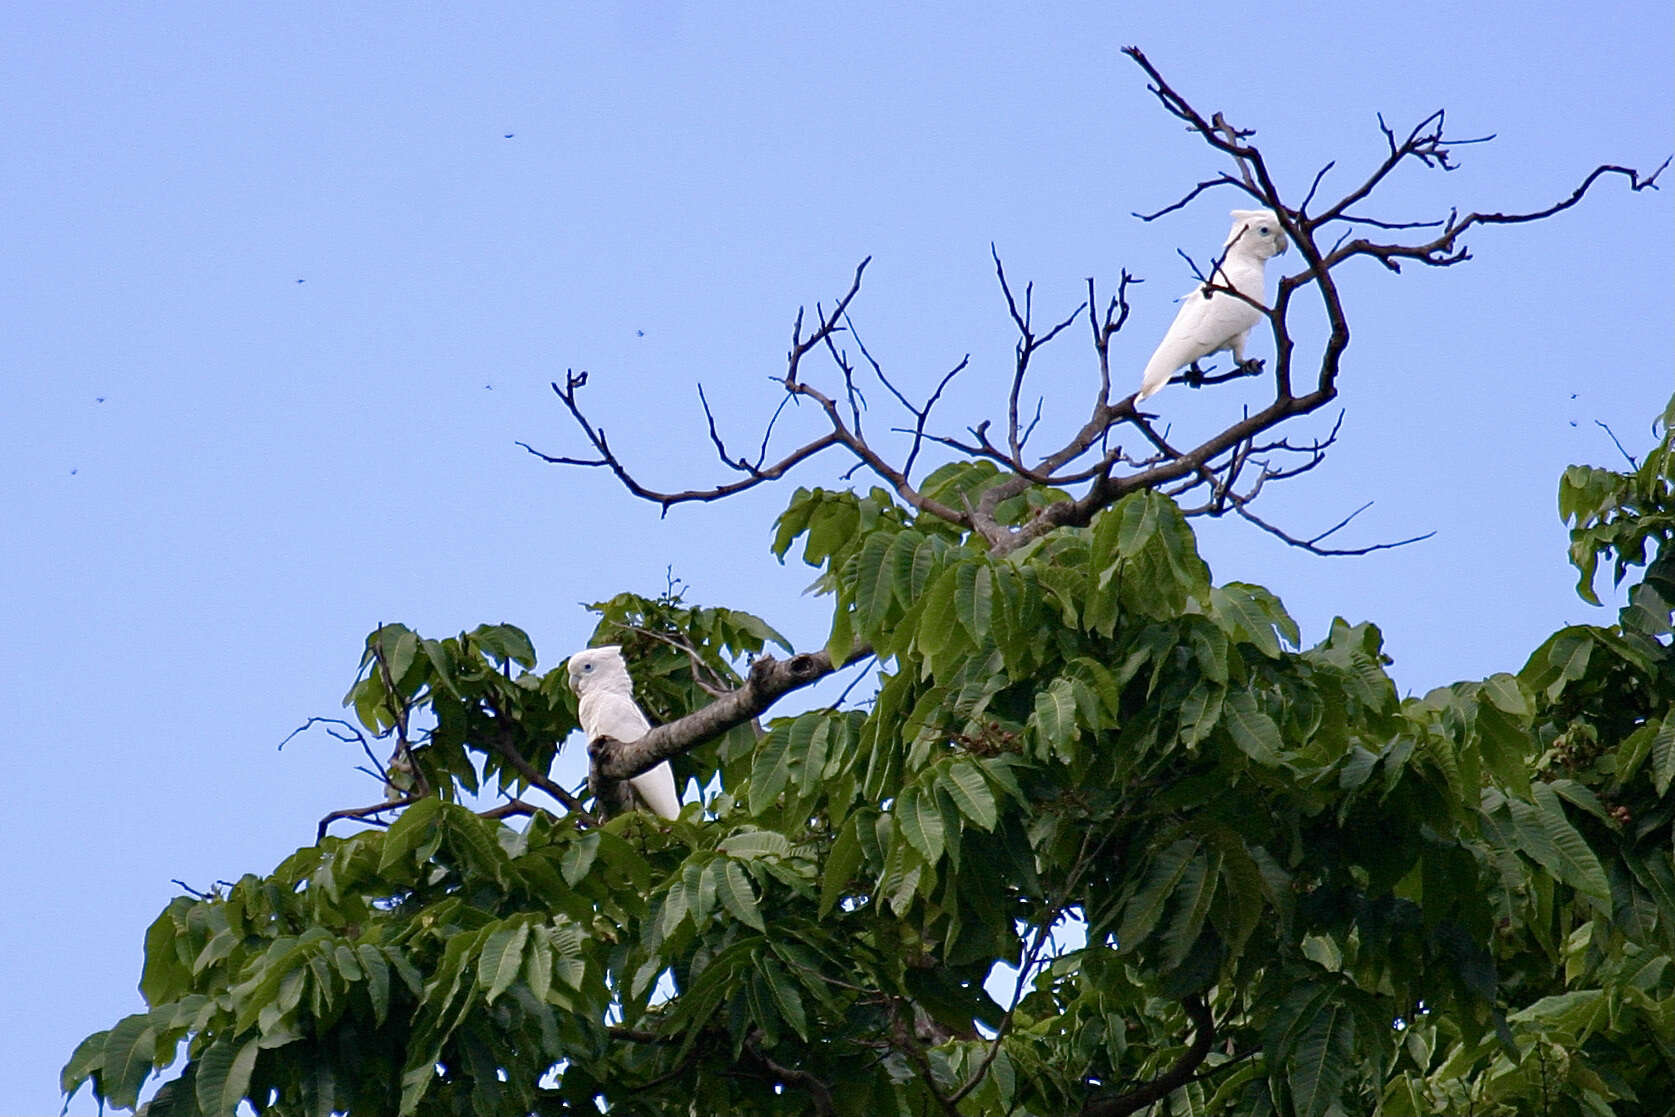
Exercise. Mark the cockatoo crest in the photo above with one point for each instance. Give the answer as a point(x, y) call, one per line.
point(599, 678)
point(1221, 321)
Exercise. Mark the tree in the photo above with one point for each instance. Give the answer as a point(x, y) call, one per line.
point(1229, 875)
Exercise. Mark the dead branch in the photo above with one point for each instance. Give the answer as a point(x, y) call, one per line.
point(364, 814)
point(1229, 468)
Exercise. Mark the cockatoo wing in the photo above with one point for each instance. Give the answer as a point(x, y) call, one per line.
point(1222, 321)
point(610, 714)
point(607, 713)
point(1201, 327)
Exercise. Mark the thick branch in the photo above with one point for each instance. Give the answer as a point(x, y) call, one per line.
point(819, 1094)
point(611, 762)
point(1132, 1101)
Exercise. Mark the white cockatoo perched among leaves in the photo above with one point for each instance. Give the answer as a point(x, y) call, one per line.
point(1220, 321)
point(599, 677)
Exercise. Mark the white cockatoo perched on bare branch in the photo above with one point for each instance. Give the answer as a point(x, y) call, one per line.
point(599, 677)
point(1221, 321)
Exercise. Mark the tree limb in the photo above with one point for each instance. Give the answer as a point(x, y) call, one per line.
point(1094, 471)
point(612, 762)
point(1132, 1101)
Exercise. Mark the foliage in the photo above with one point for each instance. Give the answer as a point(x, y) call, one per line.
point(1084, 763)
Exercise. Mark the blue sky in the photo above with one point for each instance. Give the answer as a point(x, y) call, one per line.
point(281, 295)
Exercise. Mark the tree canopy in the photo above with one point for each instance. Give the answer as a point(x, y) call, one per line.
point(1104, 838)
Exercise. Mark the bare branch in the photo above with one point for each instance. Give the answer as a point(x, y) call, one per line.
point(364, 814)
point(1208, 184)
point(1231, 466)
point(509, 809)
point(1311, 545)
point(1319, 177)
point(1633, 463)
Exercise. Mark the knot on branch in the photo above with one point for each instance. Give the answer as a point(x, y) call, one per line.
point(767, 671)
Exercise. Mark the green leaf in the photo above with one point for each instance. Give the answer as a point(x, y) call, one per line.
point(165, 976)
point(1252, 614)
point(1503, 690)
point(786, 999)
point(921, 823)
point(939, 621)
point(501, 959)
point(874, 583)
point(737, 896)
point(1663, 756)
point(831, 526)
point(505, 642)
point(929, 557)
point(413, 837)
point(224, 1076)
point(974, 599)
point(579, 855)
point(748, 845)
point(1137, 522)
point(538, 962)
point(1253, 731)
point(442, 663)
point(1548, 838)
point(1321, 1058)
point(1634, 750)
point(1142, 912)
point(1578, 866)
point(841, 863)
point(473, 843)
point(398, 657)
point(1562, 660)
point(1055, 716)
point(130, 1048)
point(377, 980)
point(771, 770)
point(965, 784)
point(1201, 712)
point(89, 1056)
point(1197, 890)
point(842, 639)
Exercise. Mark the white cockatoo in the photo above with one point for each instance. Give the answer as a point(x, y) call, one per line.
point(599, 677)
point(1222, 321)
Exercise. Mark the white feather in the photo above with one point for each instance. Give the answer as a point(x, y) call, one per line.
point(1222, 321)
point(599, 677)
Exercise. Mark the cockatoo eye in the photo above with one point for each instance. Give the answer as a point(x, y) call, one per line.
point(1263, 230)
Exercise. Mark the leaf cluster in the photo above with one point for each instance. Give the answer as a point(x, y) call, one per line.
point(1103, 834)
